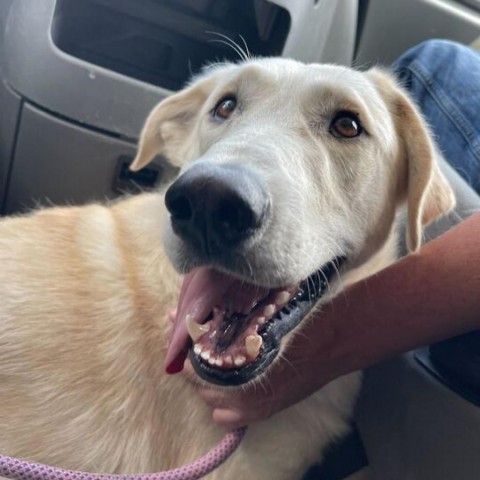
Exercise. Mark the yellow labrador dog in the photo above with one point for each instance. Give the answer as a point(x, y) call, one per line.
point(292, 178)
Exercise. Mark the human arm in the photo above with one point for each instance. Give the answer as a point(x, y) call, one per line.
point(423, 298)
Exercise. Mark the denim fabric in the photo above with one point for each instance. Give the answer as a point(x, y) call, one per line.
point(444, 79)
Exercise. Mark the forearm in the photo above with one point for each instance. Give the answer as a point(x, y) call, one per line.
point(423, 298)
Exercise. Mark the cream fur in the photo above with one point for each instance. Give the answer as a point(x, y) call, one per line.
point(85, 291)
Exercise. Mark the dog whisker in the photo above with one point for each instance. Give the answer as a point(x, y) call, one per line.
point(247, 51)
point(226, 40)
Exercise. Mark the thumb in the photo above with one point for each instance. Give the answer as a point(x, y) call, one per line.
point(228, 418)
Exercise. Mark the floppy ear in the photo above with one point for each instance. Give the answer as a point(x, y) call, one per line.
point(429, 196)
point(428, 193)
point(169, 125)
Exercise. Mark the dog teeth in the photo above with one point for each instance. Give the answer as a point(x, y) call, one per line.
point(195, 330)
point(219, 362)
point(212, 361)
point(205, 355)
point(229, 360)
point(197, 349)
point(261, 320)
point(282, 298)
point(253, 343)
point(239, 360)
point(269, 310)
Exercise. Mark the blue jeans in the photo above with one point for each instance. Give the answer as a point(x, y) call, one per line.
point(444, 79)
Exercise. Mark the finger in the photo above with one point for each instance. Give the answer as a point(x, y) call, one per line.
point(190, 373)
point(172, 314)
point(215, 398)
point(228, 418)
point(188, 368)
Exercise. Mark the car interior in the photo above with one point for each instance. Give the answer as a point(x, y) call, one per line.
point(78, 79)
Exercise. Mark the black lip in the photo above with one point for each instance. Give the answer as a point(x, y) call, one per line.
point(273, 332)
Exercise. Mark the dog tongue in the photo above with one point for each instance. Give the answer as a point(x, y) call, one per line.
point(203, 289)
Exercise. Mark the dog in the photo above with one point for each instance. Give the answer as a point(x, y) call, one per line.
point(292, 180)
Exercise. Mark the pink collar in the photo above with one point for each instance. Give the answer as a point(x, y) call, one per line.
point(22, 470)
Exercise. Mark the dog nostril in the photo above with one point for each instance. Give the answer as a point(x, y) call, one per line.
point(234, 219)
point(180, 208)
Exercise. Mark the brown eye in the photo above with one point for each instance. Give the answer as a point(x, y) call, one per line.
point(225, 107)
point(346, 125)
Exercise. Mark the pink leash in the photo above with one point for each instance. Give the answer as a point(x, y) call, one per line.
point(22, 470)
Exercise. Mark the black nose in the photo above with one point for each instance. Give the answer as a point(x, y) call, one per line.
point(214, 208)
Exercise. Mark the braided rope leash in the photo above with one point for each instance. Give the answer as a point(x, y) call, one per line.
point(22, 470)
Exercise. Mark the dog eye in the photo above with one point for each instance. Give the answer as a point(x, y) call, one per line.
point(225, 107)
point(346, 125)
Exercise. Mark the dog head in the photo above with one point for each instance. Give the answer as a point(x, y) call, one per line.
point(289, 172)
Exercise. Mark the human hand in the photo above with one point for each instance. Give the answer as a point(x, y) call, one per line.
point(297, 373)
point(233, 407)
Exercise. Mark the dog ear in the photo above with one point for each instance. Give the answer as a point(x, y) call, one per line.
point(427, 192)
point(169, 125)
point(429, 195)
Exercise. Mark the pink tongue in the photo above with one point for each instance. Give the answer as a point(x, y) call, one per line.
point(203, 289)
